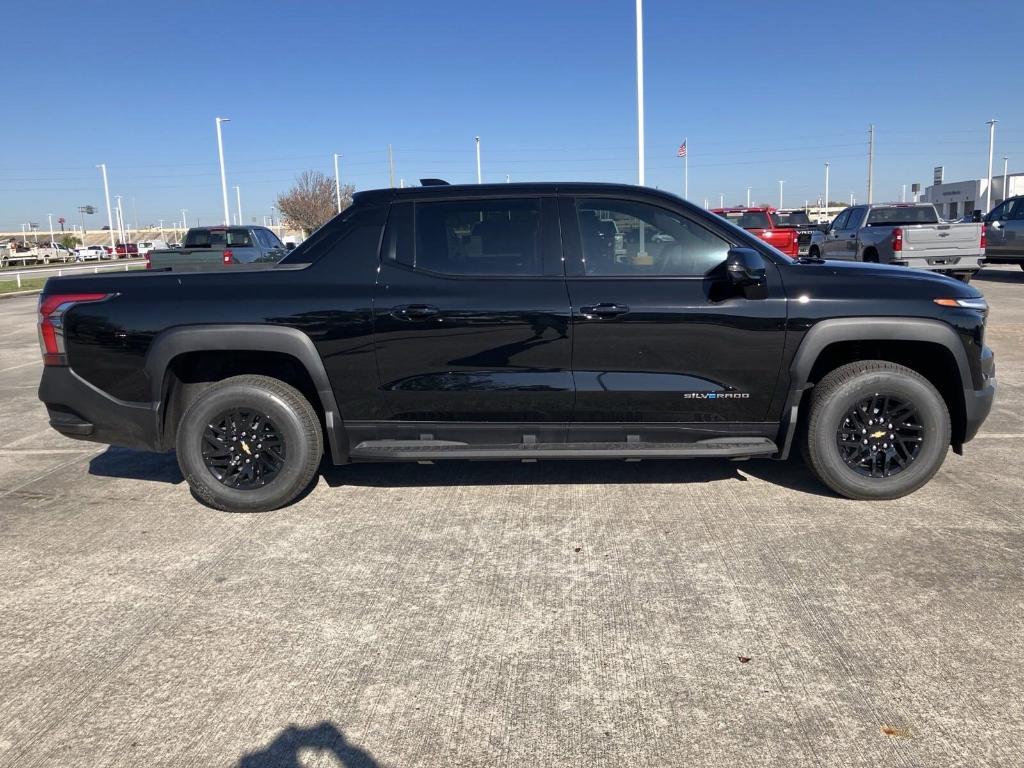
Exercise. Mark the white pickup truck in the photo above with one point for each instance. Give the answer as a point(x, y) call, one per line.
point(908, 234)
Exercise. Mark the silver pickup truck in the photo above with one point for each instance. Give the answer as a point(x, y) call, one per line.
point(219, 247)
point(908, 234)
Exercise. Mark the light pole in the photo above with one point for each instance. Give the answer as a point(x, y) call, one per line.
point(337, 181)
point(120, 222)
point(781, 182)
point(223, 176)
point(479, 177)
point(184, 219)
point(721, 199)
point(748, 197)
point(238, 200)
point(826, 189)
point(851, 198)
point(49, 217)
point(991, 146)
point(110, 215)
point(640, 91)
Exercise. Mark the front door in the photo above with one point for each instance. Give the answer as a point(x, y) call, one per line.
point(471, 323)
point(663, 348)
point(835, 246)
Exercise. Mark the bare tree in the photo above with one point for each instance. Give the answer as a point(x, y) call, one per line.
point(311, 203)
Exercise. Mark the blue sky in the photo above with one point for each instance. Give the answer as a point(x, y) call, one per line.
point(763, 91)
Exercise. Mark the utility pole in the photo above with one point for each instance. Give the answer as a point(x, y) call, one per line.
point(871, 164)
point(748, 197)
point(991, 146)
point(826, 190)
point(781, 182)
point(337, 181)
point(640, 92)
point(238, 199)
point(479, 177)
point(391, 167)
point(110, 216)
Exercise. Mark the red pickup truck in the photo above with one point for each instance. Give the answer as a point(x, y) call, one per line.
point(764, 222)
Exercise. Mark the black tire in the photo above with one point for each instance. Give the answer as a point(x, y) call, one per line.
point(871, 256)
point(814, 252)
point(268, 481)
point(837, 412)
point(964, 277)
point(1021, 266)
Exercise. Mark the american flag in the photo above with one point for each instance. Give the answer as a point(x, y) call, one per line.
point(682, 150)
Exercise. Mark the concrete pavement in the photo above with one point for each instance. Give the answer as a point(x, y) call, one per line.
point(698, 613)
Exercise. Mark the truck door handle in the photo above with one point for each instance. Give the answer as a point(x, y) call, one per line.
point(603, 310)
point(415, 311)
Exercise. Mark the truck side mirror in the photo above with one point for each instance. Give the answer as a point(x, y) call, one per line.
point(745, 268)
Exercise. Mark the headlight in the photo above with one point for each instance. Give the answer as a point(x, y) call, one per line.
point(979, 304)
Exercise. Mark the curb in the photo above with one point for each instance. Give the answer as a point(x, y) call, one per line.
point(16, 294)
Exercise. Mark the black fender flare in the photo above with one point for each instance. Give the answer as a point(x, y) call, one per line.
point(827, 332)
point(250, 338)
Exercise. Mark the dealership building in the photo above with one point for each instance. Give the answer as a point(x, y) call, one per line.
point(955, 199)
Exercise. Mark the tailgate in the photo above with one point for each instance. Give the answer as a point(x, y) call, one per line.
point(923, 238)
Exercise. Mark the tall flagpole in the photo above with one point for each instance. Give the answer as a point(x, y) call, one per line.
point(686, 170)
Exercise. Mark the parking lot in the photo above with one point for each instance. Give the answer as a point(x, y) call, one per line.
point(700, 613)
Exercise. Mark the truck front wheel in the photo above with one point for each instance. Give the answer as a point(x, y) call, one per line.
point(876, 430)
point(249, 444)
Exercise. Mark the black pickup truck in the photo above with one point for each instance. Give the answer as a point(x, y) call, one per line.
point(522, 321)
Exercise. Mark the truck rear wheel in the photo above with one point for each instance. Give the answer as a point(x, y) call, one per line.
point(877, 430)
point(249, 444)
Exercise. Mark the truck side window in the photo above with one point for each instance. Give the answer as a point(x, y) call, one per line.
point(622, 237)
point(856, 218)
point(840, 221)
point(352, 239)
point(479, 237)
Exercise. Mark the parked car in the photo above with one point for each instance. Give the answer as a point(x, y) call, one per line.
point(217, 247)
point(764, 223)
point(808, 232)
point(151, 245)
point(90, 252)
point(905, 234)
point(494, 322)
point(126, 251)
point(1004, 233)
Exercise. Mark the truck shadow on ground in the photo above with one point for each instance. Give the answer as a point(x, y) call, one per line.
point(325, 737)
point(790, 474)
point(125, 463)
point(999, 276)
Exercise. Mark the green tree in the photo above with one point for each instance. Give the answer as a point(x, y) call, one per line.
point(69, 241)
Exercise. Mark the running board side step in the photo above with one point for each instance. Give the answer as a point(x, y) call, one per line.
point(431, 450)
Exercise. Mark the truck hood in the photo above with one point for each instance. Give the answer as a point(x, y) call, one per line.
point(915, 281)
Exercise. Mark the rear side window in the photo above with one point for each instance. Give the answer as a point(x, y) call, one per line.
point(479, 237)
point(352, 238)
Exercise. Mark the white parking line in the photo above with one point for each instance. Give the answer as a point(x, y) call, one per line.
point(21, 365)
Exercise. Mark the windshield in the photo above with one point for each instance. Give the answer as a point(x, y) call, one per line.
point(217, 238)
point(897, 214)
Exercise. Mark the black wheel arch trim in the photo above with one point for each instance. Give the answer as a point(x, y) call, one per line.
point(250, 338)
point(827, 332)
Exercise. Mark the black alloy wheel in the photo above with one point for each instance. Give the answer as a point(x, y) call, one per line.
point(243, 449)
point(880, 436)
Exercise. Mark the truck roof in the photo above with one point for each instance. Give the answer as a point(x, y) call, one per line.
point(443, 191)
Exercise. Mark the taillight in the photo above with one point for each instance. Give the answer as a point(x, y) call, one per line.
point(897, 239)
point(983, 237)
point(52, 309)
point(229, 257)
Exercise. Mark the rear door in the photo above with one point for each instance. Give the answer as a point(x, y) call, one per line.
point(663, 348)
point(471, 323)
